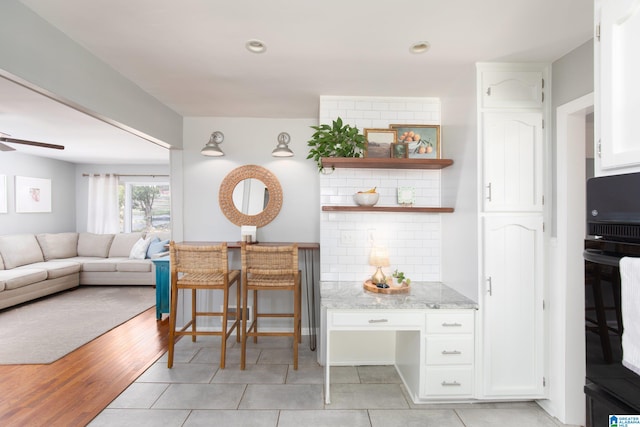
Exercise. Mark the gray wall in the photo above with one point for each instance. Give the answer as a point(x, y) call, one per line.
point(63, 194)
point(572, 77)
point(459, 183)
point(37, 54)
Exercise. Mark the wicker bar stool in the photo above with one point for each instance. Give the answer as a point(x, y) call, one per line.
point(270, 268)
point(202, 268)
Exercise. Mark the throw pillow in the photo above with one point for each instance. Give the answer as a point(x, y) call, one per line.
point(157, 247)
point(139, 249)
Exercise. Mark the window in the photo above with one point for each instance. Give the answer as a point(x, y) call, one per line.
point(144, 206)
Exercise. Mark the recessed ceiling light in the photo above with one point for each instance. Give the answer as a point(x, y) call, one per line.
point(420, 47)
point(256, 46)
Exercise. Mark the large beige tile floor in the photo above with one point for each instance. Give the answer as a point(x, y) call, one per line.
point(270, 393)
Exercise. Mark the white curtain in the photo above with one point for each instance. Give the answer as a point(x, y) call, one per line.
point(103, 212)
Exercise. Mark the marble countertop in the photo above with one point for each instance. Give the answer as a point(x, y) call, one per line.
point(422, 295)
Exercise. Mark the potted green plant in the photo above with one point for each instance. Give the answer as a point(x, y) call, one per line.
point(335, 140)
point(398, 278)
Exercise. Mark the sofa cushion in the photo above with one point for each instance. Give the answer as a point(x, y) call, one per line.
point(122, 244)
point(19, 277)
point(58, 245)
point(134, 265)
point(105, 265)
point(19, 249)
point(139, 249)
point(90, 244)
point(55, 268)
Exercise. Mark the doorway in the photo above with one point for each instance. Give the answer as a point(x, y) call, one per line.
point(574, 126)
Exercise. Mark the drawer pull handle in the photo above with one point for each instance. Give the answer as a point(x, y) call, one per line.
point(451, 384)
point(378, 320)
point(445, 352)
point(449, 325)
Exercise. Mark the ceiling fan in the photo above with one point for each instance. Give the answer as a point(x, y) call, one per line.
point(6, 138)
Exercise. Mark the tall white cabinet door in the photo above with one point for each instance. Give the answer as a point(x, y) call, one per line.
point(512, 309)
point(512, 89)
point(512, 169)
point(618, 86)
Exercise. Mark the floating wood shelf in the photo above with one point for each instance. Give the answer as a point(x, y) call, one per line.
point(335, 208)
point(379, 163)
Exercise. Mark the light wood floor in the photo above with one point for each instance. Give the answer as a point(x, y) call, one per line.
point(73, 390)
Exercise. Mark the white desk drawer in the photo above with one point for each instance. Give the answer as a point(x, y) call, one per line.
point(449, 350)
point(448, 382)
point(455, 322)
point(376, 319)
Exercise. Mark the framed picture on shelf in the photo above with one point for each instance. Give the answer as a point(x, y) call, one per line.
point(406, 196)
point(378, 142)
point(423, 141)
point(399, 150)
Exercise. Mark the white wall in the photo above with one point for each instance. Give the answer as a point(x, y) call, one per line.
point(413, 240)
point(196, 179)
point(40, 56)
point(431, 246)
point(248, 141)
point(572, 77)
point(62, 216)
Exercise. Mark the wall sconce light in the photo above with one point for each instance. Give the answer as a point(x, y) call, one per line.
point(212, 148)
point(282, 149)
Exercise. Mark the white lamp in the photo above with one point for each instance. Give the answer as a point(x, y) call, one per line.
point(212, 148)
point(379, 257)
point(282, 149)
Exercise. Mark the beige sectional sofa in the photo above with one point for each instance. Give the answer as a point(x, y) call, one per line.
point(35, 265)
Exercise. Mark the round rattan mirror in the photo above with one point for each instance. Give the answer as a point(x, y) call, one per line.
point(237, 176)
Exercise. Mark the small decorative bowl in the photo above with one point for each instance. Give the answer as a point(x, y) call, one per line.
point(366, 199)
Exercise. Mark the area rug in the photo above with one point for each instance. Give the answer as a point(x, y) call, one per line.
point(47, 329)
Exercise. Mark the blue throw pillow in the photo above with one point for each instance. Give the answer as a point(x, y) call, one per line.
point(156, 247)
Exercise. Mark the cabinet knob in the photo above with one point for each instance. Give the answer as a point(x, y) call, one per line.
point(452, 352)
point(451, 384)
point(489, 192)
point(378, 320)
point(449, 325)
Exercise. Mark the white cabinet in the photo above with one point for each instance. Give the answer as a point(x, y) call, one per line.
point(511, 155)
point(512, 307)
point(449, 357)
point(511, 89)
point(511, 167)
point(618, 83)
point(434, 348)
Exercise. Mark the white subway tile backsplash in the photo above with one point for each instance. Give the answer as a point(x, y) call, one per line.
point(347, 104)
point(364, 105)
point(372, 115)
point(407, 116)
point(380, 106)
point(413, 240)
point(398, 106)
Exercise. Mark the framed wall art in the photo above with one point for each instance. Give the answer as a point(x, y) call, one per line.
point(399, 150)
point(378, 142)
point(33, 194)
point(423, 140)
point(3, 194)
